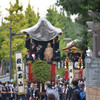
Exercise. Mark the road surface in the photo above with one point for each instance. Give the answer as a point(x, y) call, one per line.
point(6, 78)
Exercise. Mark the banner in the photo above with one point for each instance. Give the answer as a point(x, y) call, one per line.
point(19, 72)
point(71, 76)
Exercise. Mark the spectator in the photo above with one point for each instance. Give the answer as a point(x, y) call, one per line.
point(69, 92)
point(4, 92)
point(51, 91)
point(64, 95)
point(51, 97)
point(27, 91)
point(31, 90)
point(76, 90)
point(1, 98)
point(15, 90)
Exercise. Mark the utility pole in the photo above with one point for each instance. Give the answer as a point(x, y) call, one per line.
point(11, 34)
point(10, 54)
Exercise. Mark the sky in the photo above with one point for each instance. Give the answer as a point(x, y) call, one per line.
point(43, 5)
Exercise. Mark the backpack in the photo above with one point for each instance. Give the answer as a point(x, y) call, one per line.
point(82, 94)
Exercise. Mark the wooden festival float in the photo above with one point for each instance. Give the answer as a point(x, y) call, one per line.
point(38, 38)
point(74, 62)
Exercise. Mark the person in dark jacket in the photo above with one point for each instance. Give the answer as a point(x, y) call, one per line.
point(1, 98)
point(75, 94)
point(27, 91)
point(27, 42)
point(39, 52)
point(69, 92)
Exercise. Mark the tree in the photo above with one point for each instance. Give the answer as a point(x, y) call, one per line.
point(41, 70)
point(31, 16)
point(17, 22)
point(82, 32)
point(2, 38)
point(81, 8)
point(61, 72)
point(65, 23)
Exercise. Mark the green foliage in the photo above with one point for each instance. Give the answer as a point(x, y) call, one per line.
point(90, 36)
point(79, 6)
point(13, 72)
point(60, 72)
point(41, 70)
point(14, 82)
point(2, 38)
point(18, 21)
point(82, 32)
point(64, 22)
point(31, 16)
point(82, 35)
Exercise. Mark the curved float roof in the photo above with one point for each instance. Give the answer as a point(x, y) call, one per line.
point(43, 30)
point(71, 47)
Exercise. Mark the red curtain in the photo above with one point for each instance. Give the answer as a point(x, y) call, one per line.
point(53, 72)
point(81, 73)
point(30, 74)
point(66, 74)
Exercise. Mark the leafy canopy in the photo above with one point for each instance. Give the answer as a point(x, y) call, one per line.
point(18, 21)
point(79, 6)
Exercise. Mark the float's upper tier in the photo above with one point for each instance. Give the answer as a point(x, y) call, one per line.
point(43, 30)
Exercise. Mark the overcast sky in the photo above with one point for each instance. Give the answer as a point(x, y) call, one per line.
point(43, 5)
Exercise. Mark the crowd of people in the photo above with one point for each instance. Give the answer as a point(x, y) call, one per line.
point(9, 91)
point(52, 91)
point(66, 91)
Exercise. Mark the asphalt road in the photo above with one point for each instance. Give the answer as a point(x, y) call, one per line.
point(6, 78)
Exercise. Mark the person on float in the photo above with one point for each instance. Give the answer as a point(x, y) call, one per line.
point(39, 52)
point(33, 51)
point(27, 42)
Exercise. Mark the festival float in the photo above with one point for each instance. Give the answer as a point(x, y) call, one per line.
point(42, 43)
point(74, 62)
